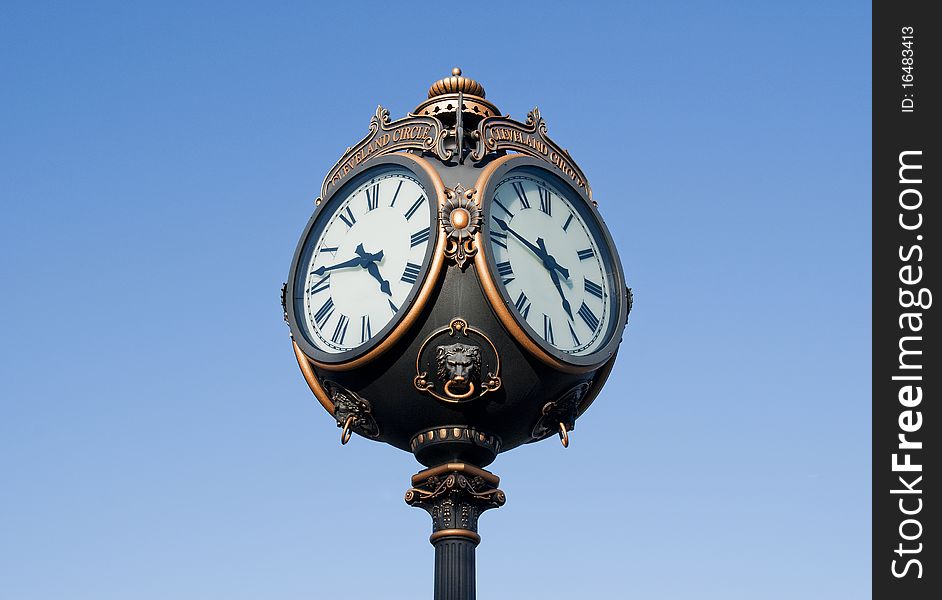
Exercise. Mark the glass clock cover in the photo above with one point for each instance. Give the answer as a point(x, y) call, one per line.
point(362, 259)
point(551, 261)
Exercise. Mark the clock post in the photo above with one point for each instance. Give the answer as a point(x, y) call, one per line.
point(455, 295)
point(455, 495)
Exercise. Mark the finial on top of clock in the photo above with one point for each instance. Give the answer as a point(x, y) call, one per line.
point(443, 99)
point(454, 84)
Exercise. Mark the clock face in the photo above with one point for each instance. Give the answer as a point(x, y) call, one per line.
point(551, 261)
point(363, 258)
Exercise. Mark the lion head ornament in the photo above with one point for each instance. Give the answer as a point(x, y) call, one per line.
point(464, 370)
point(459, 366)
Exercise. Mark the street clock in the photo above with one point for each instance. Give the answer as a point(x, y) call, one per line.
point(456, 294)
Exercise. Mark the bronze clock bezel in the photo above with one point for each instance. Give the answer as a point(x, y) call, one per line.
point(492, 174)
point(418, 296)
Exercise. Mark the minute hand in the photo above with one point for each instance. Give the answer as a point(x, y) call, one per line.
point(548, 261)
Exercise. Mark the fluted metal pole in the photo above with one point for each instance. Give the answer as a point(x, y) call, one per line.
point(454, 568)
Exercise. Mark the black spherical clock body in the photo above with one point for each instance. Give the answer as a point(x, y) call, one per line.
point(456, 293)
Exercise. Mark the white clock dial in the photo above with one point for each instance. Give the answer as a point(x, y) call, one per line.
point(366, 260)
point(550, 262)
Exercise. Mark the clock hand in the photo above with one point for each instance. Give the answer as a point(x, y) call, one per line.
point(373, 270)
point(353, 262)
point(533, 248)
point(366, 256)
point(369, 263)
point(559, 288)
point(553, 266)
point(362, 259)
point(548, 261)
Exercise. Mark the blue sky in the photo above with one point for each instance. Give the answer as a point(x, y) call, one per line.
point(157, 165)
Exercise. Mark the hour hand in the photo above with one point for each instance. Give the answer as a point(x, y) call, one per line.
point(353, 262)
point(373, 270)
point(550, 262)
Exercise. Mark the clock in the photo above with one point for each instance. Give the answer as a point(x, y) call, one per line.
point(455, 323)
point(551, 269)
point(363, 260)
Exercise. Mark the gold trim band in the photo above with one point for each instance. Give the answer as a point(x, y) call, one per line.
point(311, 378)
point(462, 533)
point(471, 470)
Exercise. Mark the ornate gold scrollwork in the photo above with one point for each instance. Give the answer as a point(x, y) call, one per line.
point(465, 370)
point(385, 137)
point(460, 217)
point(530, 138)
point(455, 495)
point(475, 487)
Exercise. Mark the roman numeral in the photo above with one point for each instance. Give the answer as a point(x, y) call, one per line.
point(341, 331)
point(505, 209)
point(394, 308)
point(523, 304)
point(568, 221)
point(588, 316)
point(593, 288)
point(587, 253)
point(505, 270)
point(572, 332)
point(414, 207)
point(321, 316)
point(499, 238)
point(547, 329)
point(320, 285)
point(328, 249)
point(396, 195)
point(365, 331)
point(546, 200)
point(420, 237)
point(411, 273)
point(348, 218)
point(522, 194)
point(372, 199)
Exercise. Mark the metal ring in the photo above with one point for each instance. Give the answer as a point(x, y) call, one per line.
point(563, 435)
point(347, 432)
point(459, 396)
